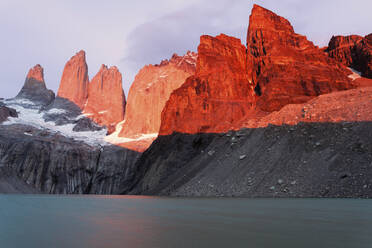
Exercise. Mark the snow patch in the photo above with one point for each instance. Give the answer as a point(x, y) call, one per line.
point(33, 117)
point(57, 111)
point(115, 139)
point(119, 140)
point(112, 138)
point(355, 74)
point(191, 62)
point(102, 112)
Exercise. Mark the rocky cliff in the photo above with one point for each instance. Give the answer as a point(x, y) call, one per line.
point(51, 147)
point(353, 51)
point(232, 82)
point(106, 100)
point(52, 163)
point(328, 155)
point(302, 125)
point(217, 96)
point(276, 118)
point(102, 99)
point(284, 66)
point(34, 88)
point(75, 80)
point(147, 97)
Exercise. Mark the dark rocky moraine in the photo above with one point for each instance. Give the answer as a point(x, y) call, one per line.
point(306, 160)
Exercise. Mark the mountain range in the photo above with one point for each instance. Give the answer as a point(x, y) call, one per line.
point(275, 117)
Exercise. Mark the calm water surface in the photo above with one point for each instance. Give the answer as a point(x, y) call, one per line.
point(86, 221)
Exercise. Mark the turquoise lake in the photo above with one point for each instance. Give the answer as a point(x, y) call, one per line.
point(119, 221)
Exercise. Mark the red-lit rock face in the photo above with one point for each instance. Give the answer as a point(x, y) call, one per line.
point(106, 99)
point(353, 51)
point(185, 63)
point(36, 73)
point(150, 91)
point(102, 99)
point(74, 82)
point(279, 67)
point(353, 105)
point(217, 96)
point(284, 66)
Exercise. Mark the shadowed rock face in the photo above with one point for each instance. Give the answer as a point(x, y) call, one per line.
point(11, 184)
point(52, 158)
point(71, 115)
point(353, 51)
point(217, 96)
point(52, 163)
point(74, 82)
point(306, 160)
point(320, 148)
point(35, 89)
point(150, 91)
point(284, 66)
point(106, 99)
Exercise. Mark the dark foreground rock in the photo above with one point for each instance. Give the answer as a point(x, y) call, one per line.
point(52, 163)
point(6, 112)
point(11, 184)
point(306, 160)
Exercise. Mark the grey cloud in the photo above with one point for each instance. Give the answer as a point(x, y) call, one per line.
point(180, 31)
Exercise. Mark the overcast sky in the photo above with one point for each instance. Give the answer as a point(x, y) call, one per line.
point(130, 34)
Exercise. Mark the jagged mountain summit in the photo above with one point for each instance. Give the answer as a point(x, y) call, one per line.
point(35, 89)
point(75, 80)
point(102, 99)
point(106, 102)
point(51, 146)
point(285, 67)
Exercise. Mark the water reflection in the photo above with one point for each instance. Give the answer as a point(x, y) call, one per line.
point(118, 221)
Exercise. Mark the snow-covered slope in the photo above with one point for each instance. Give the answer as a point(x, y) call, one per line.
point(32, 114)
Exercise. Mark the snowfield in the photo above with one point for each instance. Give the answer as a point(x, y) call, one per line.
point(56, 111)
point(115, 139)
point(34, 117)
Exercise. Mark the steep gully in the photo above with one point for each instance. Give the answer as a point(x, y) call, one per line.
point(52, 163)
point(259, 85)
